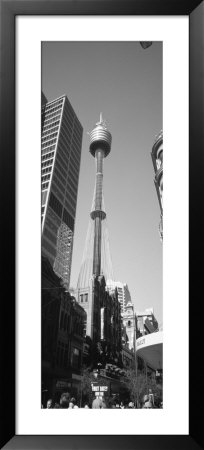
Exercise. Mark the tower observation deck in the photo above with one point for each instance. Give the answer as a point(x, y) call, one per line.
point(100, 145)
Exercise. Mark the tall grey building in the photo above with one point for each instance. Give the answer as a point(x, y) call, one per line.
point(61, 140)
point(123, 293)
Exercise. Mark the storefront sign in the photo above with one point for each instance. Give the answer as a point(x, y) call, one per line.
point(62, 384)
point(95, 388)
point(103, 388)
point(99, 394)
point(98, 390)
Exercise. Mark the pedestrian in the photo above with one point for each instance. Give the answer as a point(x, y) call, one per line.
point(151, 398)
point(122, 405)
point(131, 405)
point(147, 403)
point(49, 404)
point(103, 404)
point(56, 406)
point(72, 403)
point(64, 400)
point(111, 402)
point(97, 403)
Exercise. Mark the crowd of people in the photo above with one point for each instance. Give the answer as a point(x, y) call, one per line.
point(66, 402)
point(111, 402)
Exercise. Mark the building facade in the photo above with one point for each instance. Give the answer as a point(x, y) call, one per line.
point(103, 320)
point(62, 337)
point(61, 141)
point(157, 159)
point(129, 324)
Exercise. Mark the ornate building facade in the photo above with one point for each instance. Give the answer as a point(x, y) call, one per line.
point(129, 323)
point(62, 337)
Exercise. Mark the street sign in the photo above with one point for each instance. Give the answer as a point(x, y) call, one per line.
point(99, 389)
point(103, 388)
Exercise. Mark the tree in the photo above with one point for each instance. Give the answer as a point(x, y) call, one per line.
point(86, 380)
point(140, 385)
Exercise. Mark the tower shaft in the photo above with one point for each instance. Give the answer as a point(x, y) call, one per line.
point(99, 155)
point(98, 214)
point(97, 247)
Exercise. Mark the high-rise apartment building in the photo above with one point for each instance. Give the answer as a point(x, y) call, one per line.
point(61, 141)
point(123, 293)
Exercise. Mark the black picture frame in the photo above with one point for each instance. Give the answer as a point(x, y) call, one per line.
point(9, 10)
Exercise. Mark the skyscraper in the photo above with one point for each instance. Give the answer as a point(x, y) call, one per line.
point(123, 293)
point(61, 141)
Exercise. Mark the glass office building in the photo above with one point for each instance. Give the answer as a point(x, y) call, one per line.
point(61, 140)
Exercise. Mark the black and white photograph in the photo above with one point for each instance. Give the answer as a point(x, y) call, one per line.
point(102, 225)
point(100, 263)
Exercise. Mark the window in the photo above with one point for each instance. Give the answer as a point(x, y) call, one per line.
point(45, 186)
point(44, 195)
point(47, 154)
point(59, 185)
point(47, 163)
point(45, 177)
point(75, 358)
point(55, 204)
point(47, 246)
point(49, 235)
point(47, 170)
point(68, 219)
point(61, 320)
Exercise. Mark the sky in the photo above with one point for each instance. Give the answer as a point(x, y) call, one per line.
point(124, 82)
